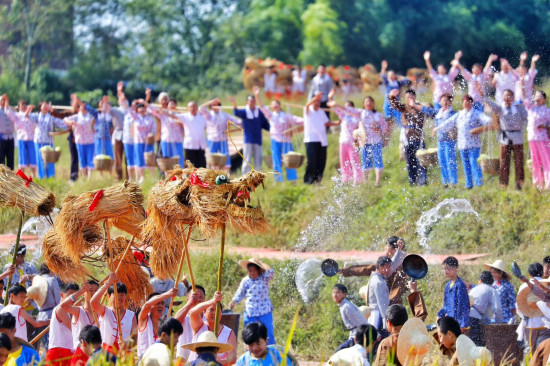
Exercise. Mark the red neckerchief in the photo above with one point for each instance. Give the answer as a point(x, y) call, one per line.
point(24, 176)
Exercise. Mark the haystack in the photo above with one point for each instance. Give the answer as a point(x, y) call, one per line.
point(130, 223)
point(129, 272)
point(28, 196)
point(116, 202)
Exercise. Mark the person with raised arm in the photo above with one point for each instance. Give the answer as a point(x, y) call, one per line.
point(443, 81)
point(203, 318)
point(526, 83)
point(110, 332)
point(253, 121)
point(82, 125)
point(281, 137)
point(194, 131)
point(149, 319)
point(7, 131)
point(24, 126)
point(216, 129)
point(119, 115)
point(315, 139)
point(504, 80)
point(478, 80)
point(104, 129)
point(193, 298)
point(389, 78)
point(45, 124)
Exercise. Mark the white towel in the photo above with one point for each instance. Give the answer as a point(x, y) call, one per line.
point(251, 114)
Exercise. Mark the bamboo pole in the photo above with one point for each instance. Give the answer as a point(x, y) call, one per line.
point(111, 253)
point(180, 268)
point(220, 273)
point(14, 258)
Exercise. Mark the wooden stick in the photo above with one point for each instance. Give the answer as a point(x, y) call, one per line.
point(111, 253)
point(189, 268)
point(180, 268)
point(14, 258)
point(40, 335)
point(220, 273)
point(124, 255)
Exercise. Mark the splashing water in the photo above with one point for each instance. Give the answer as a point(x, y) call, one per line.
point(38, 226)
point(446, 209)
point(308, 279)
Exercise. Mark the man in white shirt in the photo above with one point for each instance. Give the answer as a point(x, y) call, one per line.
point(315, 139)
point(194, 131)
point(321, 84)
point(379, 294)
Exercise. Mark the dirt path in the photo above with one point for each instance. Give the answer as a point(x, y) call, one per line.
point(6, 240)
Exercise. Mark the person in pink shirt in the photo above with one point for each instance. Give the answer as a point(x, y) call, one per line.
point(84, 133)
point(216, 129)
point(504, 80)
point(442, 81)
point(280, 123)
point(142, 127)
point(525, 84)
point(24, 126)
point(538, 129)
point(478, 80)
point(171, 132)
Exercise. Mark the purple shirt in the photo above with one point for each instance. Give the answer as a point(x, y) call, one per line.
point(216, 124)
point(279, 123)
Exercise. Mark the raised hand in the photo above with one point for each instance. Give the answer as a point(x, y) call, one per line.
point(458, 55)
point(535, 58)
point(493, 57)
point(427, 55)
point(256, 90)
point(523, 56)
point(120, 87)
point(384, 64)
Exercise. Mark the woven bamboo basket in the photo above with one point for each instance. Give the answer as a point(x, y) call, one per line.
point(150, 159)
point(293, 160)
point(427, 158)
point(166, 164)
point(50, 156)
point(490, 166)
point(216, 159)
point(103, 165)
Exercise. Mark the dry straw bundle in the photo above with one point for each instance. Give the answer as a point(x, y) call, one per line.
point(129, 272)
point(241, 216)
point(60, 264)
point(130, 223)
point(118, 201)
point(16, 191)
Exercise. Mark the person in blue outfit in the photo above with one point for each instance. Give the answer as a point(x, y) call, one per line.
point(456, 303)
point(259, 353)
point(391, 83)
point(21, 353)
point(446, 140)
point(255, 287)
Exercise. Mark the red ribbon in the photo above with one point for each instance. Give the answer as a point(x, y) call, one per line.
point(173, 178)
point(195, 180)
point(240, 193)
point(24, 176)
point(95, 200)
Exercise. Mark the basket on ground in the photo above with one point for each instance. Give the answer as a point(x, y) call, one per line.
point(427, 158)
point(490, 166)
point(166, 164)
point(293, 160)
point(150, 159)
point(103, 163)
point(216, 159)
point(50, 156)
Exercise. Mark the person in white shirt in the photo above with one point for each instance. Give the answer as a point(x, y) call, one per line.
point(81, 316)
point(525, 84)
point(321, 84)
point(484, 306)
point(149, 319)
point(270, 82)
point(61, 344)
point(112, 337)
point(504, 80)
point(315, 139)
point(182, 316)
point(442, 81)
point(299, 80)
point(194, 131)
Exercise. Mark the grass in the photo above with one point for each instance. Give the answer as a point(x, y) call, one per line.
point(332, 216)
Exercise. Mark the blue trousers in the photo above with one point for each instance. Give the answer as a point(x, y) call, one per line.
point(103, 147)
point(171, 149)
point(44, 171)
point(277, 151)
point(266, 320)
point(446, 152)
point(472, 170)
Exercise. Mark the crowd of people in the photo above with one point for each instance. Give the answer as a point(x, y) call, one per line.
point(130, 131)
point(83, 330)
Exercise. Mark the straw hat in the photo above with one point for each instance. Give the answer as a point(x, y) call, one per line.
point(527, 303)
point(364, 292)
point(413, 342)
point(365, 310)
point(498, 264)
point(208, 339)
point(244, 263)
point(38, 291)
point(157, 355)
point(469, 354)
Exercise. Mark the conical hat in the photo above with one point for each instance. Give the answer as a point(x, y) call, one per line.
point(38, 291)
point(527, 303)
point(157, 355)
point(498, 264)
point(244, 263)
point(413, 342)
point(471, 355)
point(208, 339)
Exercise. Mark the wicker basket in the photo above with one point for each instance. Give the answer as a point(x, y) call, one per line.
point(427, 158)
point(293, 160)
point(216, 159)
point(490, 166)
point(150, 159)
point(103, 165)
point(166, 164)
point(50, 156)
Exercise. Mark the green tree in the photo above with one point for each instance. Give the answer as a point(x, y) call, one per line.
point(323, 31)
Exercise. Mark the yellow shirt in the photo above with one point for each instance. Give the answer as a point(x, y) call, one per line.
point(12, 357)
